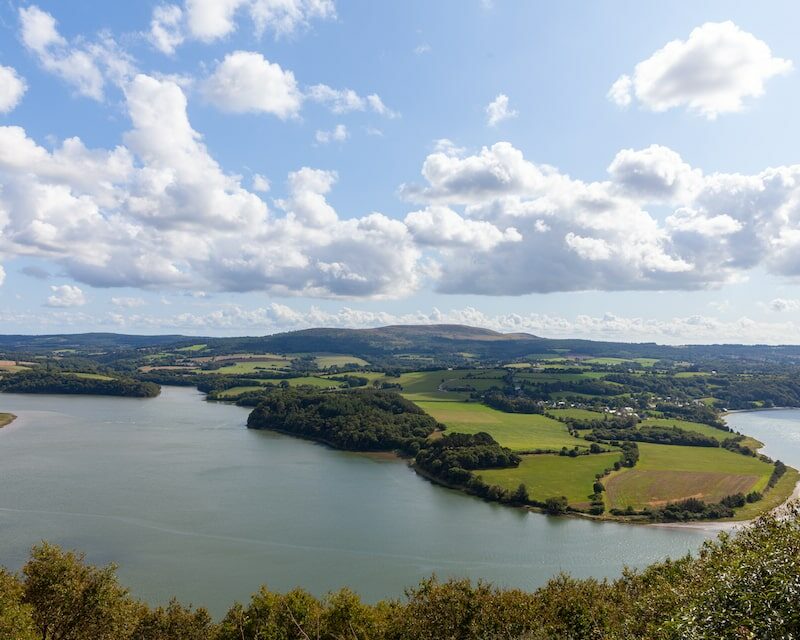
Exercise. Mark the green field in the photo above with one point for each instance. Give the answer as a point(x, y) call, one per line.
point(517, 431)
point(427, 381)
point(338, 360)
point(247, 366)
point(717, 434)
point(91, 376)
point(548, 476)
point(310, 381)
point(576, 414)
point(645, 362)
point(773, 498)
point(666, 473)
point(235, 392)
point(193, 347)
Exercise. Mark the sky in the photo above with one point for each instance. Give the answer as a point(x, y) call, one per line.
point(608, 170)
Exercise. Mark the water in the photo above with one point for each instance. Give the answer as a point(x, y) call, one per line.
point(778, 429)
point(188, 502)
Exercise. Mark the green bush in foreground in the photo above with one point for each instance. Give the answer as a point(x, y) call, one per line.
point(743, 586)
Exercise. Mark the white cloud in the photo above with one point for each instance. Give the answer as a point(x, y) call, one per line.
point(711, 72)
point(442, 227)
point(341, 101)
point(210, 20)
point(166, 32)
point(66, 295)
point(159, 211)
point(12, 88)
point(260, 183)
point(127, 302)
point(247, 82)
point(338, 134)
point(421, 49)
point(83, 65)
point(620, 91)
point(577, 235)
point(498, 110)
point(783, 304)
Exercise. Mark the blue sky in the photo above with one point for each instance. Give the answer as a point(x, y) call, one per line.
point(668, 210)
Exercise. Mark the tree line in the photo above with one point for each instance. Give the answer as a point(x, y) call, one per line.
point(47, 382)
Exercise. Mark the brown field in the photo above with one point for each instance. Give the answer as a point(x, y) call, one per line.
point(657, 488)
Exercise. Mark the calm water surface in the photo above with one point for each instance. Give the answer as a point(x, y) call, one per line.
point(190, 503)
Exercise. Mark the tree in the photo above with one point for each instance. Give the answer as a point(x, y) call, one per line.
point(15, 617)
point(520, 496)
point(174, 622)
point(556, 506)
point(74, 601)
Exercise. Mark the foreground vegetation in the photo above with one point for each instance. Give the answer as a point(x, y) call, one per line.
point(737, 587)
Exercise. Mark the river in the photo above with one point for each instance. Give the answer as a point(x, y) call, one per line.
point(189, 502)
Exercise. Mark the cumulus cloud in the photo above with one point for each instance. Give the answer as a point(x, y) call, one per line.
point(260, 183)
point(577, 235)
point(338, 134)
point(83, 65)
point(210, 20)
point(127, 302)
point(498, 110)
point(341, 101)
point(159, 211)
point(66, 295)
point(712, 72)
point(12, 88)
point(166, 28)
point(783, 304)
point(442, 227)
point(247, 82)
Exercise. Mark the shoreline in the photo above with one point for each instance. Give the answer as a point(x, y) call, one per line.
point(6, 419)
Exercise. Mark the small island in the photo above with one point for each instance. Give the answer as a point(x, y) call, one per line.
point(6, 419)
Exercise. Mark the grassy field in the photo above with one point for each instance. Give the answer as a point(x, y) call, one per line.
point(429, 381)
point(234, 392)
point(548, 476)
point(517, 431)
point(91, 376)
point(324, 361)
point(645, 362)
point(243, 368)
point(717, 434)
point(666, 473)
point(6, 418)
point(576, 414)
point(193, 347)
point(773, 498)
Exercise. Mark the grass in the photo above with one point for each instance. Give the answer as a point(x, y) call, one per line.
point(548, 476)
point(773, 498)
point(91, 376)
point(246, 367)
point(6, 418)
point(311, 381)
point(338, 360)
point(667, 473)
point(193, 347)
point(692, 374)
point(645, 362)
point(517, 431)
point(561, 377)
point(235, 392)
point(697, 427)
point(576, 414)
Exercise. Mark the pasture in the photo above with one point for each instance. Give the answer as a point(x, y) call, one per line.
point(327, 360)
point(667, 473)
point(549, 476)
point(697, 427)
point(517, 431)
point(576, 414)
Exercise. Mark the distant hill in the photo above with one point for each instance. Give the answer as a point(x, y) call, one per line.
point(441, 341)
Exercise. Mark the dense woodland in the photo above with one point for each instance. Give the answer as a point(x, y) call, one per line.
point(738, 587)
point(47, 382)
point(369, 420)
